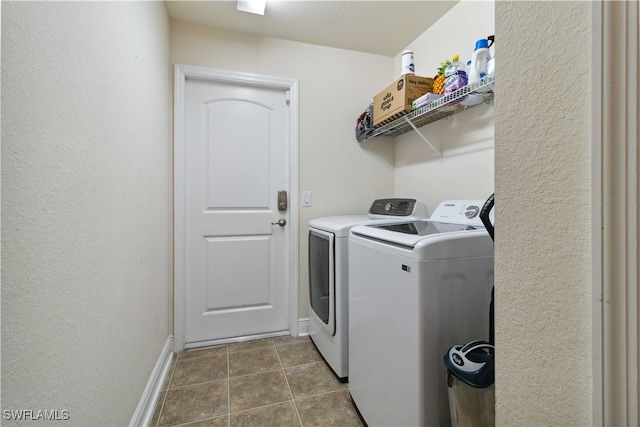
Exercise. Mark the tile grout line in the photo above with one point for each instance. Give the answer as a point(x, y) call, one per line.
point(293, 399)
point(199, 383)
point(259, 407)
point(190, 423)
point(228, 387)
point(322, 393)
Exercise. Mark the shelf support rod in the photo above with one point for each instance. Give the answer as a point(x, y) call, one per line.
point(424, 138)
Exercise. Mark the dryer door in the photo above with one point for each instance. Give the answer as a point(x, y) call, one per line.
point(322, 277)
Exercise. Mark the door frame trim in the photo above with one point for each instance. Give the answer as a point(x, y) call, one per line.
point(616, 213)
point(181, 74)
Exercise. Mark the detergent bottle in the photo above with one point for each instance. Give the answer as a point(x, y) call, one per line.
point(479, 60)
point(455, 76)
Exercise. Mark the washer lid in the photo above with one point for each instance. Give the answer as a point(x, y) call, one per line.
point(409, 233)
point(425, 240)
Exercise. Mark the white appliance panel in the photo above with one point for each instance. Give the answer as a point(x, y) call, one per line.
point(333, 343)
point(407, 307)
point(331, 338)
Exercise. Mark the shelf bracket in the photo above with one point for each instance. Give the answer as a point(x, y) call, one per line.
point(424, 138)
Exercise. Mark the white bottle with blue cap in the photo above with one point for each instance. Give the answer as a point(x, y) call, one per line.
point(479, 60)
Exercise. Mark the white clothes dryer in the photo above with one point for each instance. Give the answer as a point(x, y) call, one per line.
point(328, 274)
point(415, 289)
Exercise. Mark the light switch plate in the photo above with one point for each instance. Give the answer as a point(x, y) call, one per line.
point(306, 198)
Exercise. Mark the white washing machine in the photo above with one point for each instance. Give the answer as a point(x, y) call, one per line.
point(415, 289)
point(328, 255)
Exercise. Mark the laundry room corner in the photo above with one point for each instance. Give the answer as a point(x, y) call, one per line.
point(466, 139)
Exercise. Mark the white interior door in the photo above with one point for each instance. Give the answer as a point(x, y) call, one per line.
point(237, 139)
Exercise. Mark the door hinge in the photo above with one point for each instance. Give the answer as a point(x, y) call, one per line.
point(287, 96)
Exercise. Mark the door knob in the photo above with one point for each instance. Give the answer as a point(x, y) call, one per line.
point(281, 222)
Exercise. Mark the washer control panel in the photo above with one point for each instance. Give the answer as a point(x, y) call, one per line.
point(459, 212)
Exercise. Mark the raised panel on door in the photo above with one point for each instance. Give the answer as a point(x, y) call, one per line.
point(232, 288)
point(238, 154)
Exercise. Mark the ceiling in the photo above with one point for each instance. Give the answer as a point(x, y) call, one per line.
point(378, 27)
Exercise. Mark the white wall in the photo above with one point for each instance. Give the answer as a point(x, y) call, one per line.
point(86, 206)
point(335, 88)
point(466, 139)
point(543, 211)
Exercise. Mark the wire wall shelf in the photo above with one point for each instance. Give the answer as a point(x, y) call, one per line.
point(472, 95)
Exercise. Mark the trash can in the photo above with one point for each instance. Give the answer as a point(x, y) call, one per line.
point(470, 381)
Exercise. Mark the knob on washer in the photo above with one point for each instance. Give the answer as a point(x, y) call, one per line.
point(471, 211)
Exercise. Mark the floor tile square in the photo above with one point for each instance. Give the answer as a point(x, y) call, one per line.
point(298, 354)
point(252, 391)
point(253, 361)
point(312, 378)
point(194, 402)
point(328, 410)
point(280, 415)
point(280, 341)
point(202, 369)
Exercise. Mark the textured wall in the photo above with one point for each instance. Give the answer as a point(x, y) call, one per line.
point(336, 86)
point(86, 206)
point(543, 213)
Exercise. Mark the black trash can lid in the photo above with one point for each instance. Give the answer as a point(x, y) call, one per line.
point(472, 363)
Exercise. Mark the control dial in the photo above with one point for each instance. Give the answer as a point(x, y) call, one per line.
point(471, 211)
point(388, 208)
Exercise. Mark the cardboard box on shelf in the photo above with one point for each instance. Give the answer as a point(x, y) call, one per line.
point(395, 101)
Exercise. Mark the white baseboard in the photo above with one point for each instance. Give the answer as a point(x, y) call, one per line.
point(304, 326)
point(144, 411)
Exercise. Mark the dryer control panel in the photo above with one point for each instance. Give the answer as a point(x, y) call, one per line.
point(398, 207)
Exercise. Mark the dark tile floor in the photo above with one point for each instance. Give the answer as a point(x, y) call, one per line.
point(271, 382)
